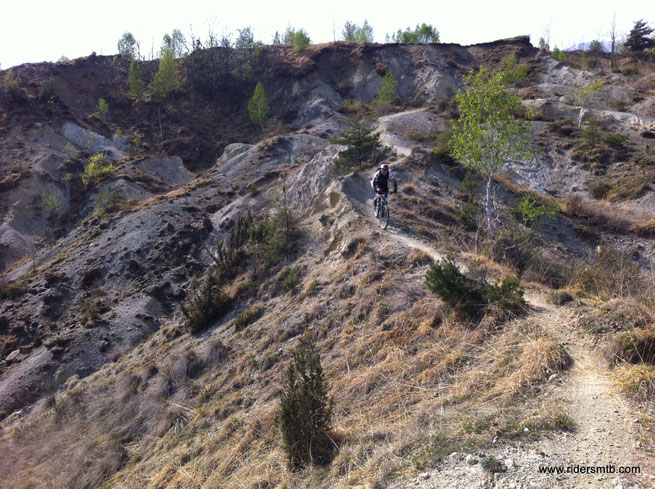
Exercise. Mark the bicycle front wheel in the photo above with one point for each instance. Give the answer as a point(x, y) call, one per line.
point(383, 215)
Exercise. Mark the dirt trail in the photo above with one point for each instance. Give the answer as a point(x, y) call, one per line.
point(606, 429)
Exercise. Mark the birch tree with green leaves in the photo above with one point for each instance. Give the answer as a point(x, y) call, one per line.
point(258, 108)
point(489, 133)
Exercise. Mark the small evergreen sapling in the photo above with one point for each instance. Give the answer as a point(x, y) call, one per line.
point(305, 412)
point(135, 80)
point(362, 141)
point(387, 92)
point(258, 108)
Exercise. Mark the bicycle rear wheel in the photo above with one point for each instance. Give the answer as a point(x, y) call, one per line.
point(383, 214)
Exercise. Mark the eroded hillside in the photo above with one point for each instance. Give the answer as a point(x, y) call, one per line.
point(99, 365)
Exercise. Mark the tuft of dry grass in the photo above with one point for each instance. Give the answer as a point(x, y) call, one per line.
point(636, 346)
point(513, 365)
point(617, 315)
point(637, 381)
point(645, 229)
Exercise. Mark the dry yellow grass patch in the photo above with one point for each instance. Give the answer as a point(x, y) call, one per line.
point(637, 381)
point(513, 364)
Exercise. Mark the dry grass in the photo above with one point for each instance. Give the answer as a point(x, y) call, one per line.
point(604, 216)
point(200, 412)
point(637, 381)
point(617, 315)
point(513, 365)
point(636, 346)
point(645, 229)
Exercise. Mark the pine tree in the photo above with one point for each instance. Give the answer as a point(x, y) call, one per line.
point(167, 80)
point(135, 80)
point(258, 108)
point(301, 40)
point(387, 92)
point(363, 144)
point(638, 39)
point(305, 412)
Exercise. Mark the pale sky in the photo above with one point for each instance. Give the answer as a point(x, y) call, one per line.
point(45, 30)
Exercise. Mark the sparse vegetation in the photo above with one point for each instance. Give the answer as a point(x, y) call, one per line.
point(135, 80)
point(207, 302)
point(258, 108)
point(51, 203)
point(13, 87)
point(424, 33)
point(101, 109)
point(96, 169)
point(167, 80)
point(305, 413)
point(10, 290)
point(128, 46)
point(487, 135)
point(299, 38)
point(353, 32)
point(387, 92)
point(363, 145)
point(637, 381)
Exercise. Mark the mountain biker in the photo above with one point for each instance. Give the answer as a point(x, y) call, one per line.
point(380, 182)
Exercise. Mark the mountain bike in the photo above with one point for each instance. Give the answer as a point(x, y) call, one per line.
point(381, 210)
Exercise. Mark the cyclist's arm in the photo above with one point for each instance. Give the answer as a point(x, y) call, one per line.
point(375, 180)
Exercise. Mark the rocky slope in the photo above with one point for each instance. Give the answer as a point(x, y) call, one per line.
point(95, 354)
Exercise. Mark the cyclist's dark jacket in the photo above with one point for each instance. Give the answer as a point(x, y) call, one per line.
point(379, 180)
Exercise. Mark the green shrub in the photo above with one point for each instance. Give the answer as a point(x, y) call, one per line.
point(507, 296)
point(443, 149)
point(135, 80)
point(7, 291)
point(516, 246)
point(229, 255)
point(493, 465)
point(305, 411)
point(51, 203)
point(290, 278)
point(102, 108)
point(13, 87)
point(468, 215)
point(270, 240)
point(363, 145)
point(207, 303)
point(258, 108)
point(563, 127)
point(616, 140)
point(387, 92)
point(299, 38)
point(444, 279)
point(531, 208)
point(96, 168)
point(48, 89)
point(558, 54)
point(248, 317)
